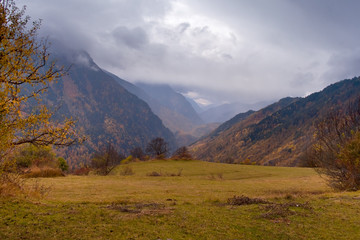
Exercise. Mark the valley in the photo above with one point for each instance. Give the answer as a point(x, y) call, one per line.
point(193, 205)
point(179, 120)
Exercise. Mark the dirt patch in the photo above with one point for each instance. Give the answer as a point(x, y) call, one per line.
point(275, 211)
point(141, 208)
point(243, 200)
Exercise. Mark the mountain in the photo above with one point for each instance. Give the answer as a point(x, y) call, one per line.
point(224, 112)
point(106, 111)
point(278, 134)
point(172, 100)
point(194, 104)
point(175, 111)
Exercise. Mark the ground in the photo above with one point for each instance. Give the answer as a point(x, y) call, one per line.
point(171, 199)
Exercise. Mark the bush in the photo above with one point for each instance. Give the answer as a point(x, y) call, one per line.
point(83, 171)
point(39, 156)
point(243, 200)
point(11, 185)
point(63, 164)
point(154, 174)
point(44, 173)
point(127, 160)
point(126, 171)
point(166, 174)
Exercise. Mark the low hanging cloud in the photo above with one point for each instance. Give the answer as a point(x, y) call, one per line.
point(133, 38)
point(224, 50)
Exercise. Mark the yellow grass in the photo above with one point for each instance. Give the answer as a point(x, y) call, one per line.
point(187, 201)
point(199, 181)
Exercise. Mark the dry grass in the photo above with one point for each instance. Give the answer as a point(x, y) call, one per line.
point(269, 203)
point(194, 184)
point(46, 172)
point(14, 185)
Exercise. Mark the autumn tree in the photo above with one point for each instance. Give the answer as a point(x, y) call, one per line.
point(182, 153)
point(157, 148)
point(25, 73)
point(105, 160)
point(336, 152)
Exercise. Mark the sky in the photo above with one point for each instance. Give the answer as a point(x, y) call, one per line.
point(214, 51)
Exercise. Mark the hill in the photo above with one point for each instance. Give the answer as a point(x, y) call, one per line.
point(278, 134)
point(106, 112)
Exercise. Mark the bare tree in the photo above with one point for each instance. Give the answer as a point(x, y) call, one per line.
point(335, 138)
point(106, 160)
point(138, 153)
point(182, 153)
point(158, 148)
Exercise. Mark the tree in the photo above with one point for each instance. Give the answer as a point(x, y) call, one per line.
point(138, 153)
point(336, 152)
point(63, 165)
point(105, 160)
point(25, 73)
point(157, 148)
point(182, 153)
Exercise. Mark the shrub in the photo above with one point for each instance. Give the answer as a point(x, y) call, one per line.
point(44, 173)
point(243, 200)
point(158, 174)
point(11, 185)
point(127, 160)
point(83, 171)
point(154, 174)
point(63, 164)
point(39, 156)
point(126, 171)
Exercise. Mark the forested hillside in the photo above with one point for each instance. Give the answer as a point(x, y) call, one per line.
point(278, 134)
point(105, 111)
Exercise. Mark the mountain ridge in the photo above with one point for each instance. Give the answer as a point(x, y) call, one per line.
point(106, 111)
point(279, 137)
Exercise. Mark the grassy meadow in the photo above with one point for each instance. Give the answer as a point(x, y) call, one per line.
point(168, 199)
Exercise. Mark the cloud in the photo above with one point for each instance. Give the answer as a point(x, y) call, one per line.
point(342, 65)
point(133, 38)
point(224, 50)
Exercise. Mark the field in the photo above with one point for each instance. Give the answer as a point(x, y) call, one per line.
point(185, 200)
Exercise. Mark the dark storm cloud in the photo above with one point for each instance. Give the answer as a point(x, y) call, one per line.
point(226, 50)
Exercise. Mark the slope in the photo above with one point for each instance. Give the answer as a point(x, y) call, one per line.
point(105, 111)
point(278, 134)
point(176, 103)
point(173, 109)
